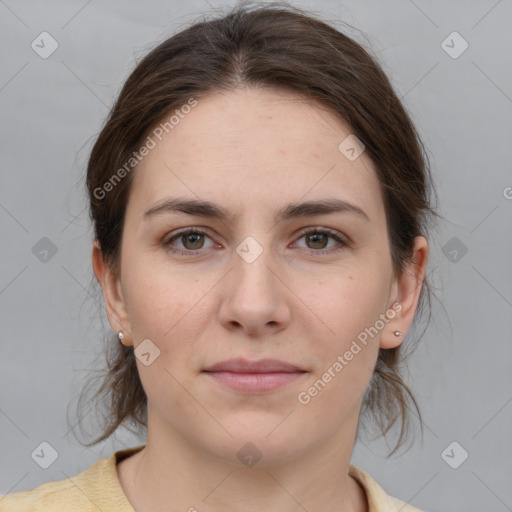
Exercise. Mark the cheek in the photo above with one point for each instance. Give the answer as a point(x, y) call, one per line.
point(347, 303)
point(157, 296)
point(347, 357)
point(170, 309)
point(350, 308)
point(334, 396)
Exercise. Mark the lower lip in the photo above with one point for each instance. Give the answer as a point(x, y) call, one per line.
point(254, 382)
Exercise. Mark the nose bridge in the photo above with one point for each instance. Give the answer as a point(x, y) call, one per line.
point(253, 297)
point(252, 275)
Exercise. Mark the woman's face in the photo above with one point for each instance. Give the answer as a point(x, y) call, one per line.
point(251, 285)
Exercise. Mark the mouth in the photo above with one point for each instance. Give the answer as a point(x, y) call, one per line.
point(254, 376)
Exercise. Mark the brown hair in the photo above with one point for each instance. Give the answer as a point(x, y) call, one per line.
point(280, 47)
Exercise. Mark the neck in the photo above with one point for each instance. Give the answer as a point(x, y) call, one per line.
point(170, 471)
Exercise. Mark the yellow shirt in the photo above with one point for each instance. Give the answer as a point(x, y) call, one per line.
point(98, 489)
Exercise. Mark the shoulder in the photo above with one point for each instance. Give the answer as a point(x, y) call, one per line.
point(96, 488)
point(378, 499)
point(50, 496)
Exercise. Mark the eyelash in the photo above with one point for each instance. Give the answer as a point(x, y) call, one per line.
point(303, 232)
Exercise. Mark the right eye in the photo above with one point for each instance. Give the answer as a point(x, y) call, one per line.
point(192, 240)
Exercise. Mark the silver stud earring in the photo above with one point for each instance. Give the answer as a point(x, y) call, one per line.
point(397, 333)
point(120, 335)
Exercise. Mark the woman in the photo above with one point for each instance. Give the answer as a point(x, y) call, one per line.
point(260, 201)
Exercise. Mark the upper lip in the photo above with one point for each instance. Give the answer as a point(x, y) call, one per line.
point(245, 366)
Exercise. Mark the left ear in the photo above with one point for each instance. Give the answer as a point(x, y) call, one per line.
point(406, 290)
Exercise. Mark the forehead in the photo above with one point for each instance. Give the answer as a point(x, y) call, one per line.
point(259, 147)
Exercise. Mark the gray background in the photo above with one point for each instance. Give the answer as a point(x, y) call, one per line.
point(52, 332)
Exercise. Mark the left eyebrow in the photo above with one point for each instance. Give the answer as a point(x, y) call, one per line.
point(293, 210)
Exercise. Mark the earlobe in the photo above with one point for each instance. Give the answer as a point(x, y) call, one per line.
point(112, 294)
point(393, 337)
point(392, 340)
point(407, 290)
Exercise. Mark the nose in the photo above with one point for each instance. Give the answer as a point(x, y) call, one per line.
point(255, 298)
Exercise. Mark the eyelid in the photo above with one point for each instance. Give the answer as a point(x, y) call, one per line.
point(174, 235)
point(323, 229)
point(342, 240)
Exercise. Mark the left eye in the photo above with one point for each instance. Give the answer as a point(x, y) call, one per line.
point(319, 237)
point(192, 241)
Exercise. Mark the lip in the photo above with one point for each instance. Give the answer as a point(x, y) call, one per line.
point(240, 365)
point(254, 376)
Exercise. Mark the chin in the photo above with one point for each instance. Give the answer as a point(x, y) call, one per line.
point(258, 440)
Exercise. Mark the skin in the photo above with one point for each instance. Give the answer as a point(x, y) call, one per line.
point(253, 152)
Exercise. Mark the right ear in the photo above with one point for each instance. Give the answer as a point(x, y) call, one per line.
point(116, 308)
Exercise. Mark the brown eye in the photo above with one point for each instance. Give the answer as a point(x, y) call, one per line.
point(191, 241)
point(318, 240)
